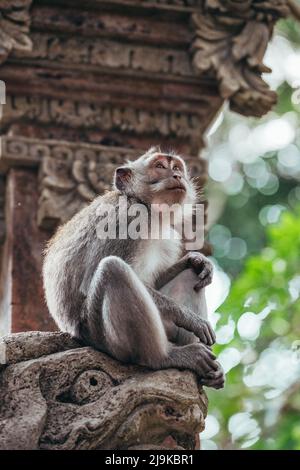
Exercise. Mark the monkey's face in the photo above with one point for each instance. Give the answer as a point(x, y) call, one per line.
point(167, 179)
point(157, 178)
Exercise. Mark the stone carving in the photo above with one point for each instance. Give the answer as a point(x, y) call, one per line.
point(162, 3)
point(72, 174)
point(83, 114)
point(15, 151)
point(56, 394)
point(109, 54)
point(14, 27)
point(230, 43)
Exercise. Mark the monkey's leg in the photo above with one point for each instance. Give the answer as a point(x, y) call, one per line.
point(183, 317)
point(123, 320)
point(186, 319)
point(130, 326)
point(181, 290)
point(183, 283)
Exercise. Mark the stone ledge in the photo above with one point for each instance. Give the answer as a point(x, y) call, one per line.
point(57, 394)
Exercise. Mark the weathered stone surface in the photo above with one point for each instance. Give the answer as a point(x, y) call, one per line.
point(114, 21)
point(109, 102)
point(20, 347)
point(22, 305)
point(14, 27)
point(72, 174)
point(55, 394)
point(105, 73)
point(98, 54)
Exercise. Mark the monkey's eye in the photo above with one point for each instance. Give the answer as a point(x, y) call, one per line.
point(159, 165)
point(176, 168)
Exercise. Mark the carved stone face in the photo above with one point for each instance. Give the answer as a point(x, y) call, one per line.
point(55, 394)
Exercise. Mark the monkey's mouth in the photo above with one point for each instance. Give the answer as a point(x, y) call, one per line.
point(178, 187)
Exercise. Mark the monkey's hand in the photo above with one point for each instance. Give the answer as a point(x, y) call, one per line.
point(202, 329)
point(183, 317)
point(215, 378)
point(202, 267)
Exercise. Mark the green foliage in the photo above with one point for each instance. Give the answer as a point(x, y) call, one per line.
point(251, 229)
point(254, 168)
point(271, 278)
point(290, 29)
point(266, 276)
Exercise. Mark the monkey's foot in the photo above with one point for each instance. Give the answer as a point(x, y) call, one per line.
point(198, 358)
point(215, 379)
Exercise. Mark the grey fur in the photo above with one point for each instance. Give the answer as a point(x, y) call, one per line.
point(94, 291)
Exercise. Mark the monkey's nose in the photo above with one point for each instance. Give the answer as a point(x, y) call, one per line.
point(177, 177)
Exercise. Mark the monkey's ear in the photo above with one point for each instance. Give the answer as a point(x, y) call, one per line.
point(122, 177)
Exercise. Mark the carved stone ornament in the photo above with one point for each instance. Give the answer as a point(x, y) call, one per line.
point(84, 114)
point(14, 27)
point(72, 174)
point(230, 43)
point(56, 394)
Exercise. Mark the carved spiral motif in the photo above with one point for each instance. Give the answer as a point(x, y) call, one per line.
point(14, 147)
point(89, 387)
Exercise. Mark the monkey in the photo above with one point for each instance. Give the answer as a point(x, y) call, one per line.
point(139, 300)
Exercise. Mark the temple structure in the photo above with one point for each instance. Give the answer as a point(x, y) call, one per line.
point(89, 84)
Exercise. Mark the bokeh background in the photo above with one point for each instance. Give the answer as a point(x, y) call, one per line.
point(254, 303)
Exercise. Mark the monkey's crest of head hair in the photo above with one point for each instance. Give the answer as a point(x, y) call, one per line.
point(134, 178)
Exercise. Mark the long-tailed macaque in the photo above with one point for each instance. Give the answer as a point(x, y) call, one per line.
point(139, 300)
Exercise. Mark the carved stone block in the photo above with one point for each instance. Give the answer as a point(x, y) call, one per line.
point(71, 174)
point(57, 395)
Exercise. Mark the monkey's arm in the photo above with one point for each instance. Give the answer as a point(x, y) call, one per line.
point(172, 272)
point(183, 317)
point(198, 262)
